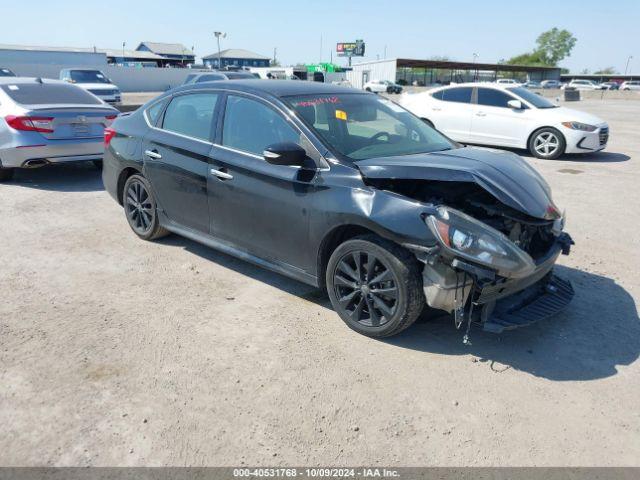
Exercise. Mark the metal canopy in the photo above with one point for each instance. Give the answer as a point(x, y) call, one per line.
point(411, 63)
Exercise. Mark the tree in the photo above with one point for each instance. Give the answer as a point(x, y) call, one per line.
point(552, 46)
point(555, 45)
point(606, 71)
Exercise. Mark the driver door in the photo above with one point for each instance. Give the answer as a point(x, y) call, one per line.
point(257, 207)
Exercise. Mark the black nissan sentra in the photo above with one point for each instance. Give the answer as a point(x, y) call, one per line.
point(347, 191)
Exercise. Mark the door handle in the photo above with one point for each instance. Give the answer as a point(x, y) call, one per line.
point(153, 154)
point(221, 174)
point(481, 114)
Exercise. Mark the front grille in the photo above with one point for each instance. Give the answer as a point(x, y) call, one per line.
point(103, 92)
point(604, 135)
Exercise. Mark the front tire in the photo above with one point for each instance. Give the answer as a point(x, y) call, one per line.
point(140, 208)
point(547, 143)
point(6, 174)
point(375, 286)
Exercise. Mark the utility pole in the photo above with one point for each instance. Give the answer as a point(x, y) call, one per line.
point(385, 52)
point(275, 55)
point(218, 35)
point(124, 44)
point(627, 67)
point(320, 48)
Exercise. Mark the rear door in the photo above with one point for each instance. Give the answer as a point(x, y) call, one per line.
point(495, 123)
point(176, 156)
point(452, 111)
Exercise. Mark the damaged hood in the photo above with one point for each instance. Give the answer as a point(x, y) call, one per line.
point(505, 175)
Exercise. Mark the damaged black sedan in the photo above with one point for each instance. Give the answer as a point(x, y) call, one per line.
point(347, 191)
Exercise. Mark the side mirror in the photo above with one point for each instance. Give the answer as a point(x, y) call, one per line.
point(286, 153)
point(515, 104)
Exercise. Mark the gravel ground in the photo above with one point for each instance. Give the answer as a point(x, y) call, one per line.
point(115, 351)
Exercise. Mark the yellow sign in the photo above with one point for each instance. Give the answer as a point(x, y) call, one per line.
point(341, 115)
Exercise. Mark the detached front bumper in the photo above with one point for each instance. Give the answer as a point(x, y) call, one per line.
point(499, 303)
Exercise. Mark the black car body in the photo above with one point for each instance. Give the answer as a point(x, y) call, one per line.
point(303, 178)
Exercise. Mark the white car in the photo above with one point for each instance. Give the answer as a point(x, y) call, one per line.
point(630, 85)
point(551, 84)
point(93, 81)
point(382, 86)
point(508, 81)
point(504, 116)
point(584, 85)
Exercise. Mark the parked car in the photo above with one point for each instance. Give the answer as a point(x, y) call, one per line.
point(93, 81)
point(532, 84)
point(551, 84)
point(503, 116)
point(5, 72)
point(583, 85)
point(49, 121)
point(508, 81)
point(345, 191)
point(382, 86)
point(630, 85)
point(216, 76)
point(611, 85)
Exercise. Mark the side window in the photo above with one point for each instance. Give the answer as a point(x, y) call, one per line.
point(458, 95)
point(493, 98)
point(191, 115)
point(251, 126)
point(154, 111)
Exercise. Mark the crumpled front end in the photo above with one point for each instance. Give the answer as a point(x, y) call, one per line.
point(478, 294)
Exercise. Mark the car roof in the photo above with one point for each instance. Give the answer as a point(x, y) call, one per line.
point(497, 86)
point(277, 88)
point(23, 80)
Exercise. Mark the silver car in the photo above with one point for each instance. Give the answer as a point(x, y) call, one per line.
point(49, 121)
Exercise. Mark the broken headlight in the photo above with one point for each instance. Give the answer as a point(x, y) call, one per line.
point(470, 239)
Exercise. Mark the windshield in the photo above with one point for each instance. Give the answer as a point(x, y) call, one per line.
point(534, 99)
point(361, 126)
point(88, 76)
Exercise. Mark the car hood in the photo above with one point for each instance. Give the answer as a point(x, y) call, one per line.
point(563, 114)
point(97, 86)
point(503, 174)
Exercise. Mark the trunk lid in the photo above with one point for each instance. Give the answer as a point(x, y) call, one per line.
point(75, 122)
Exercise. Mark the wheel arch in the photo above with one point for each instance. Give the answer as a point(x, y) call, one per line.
point(540, 127)
point(332, 239)
point(122, 179)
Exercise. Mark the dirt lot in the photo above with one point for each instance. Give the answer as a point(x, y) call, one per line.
point(115, 351)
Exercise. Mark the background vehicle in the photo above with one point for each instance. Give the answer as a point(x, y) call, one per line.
point(630, 85)
point(583, 85)
point(216, 76)
point(507, 81)
point(93, 81)
point(611, 85)
point(490, 114)
point(49, 121)
point(551, 84)
point(382, 86)
point(531, 84)
point(5, 72)
point(347, 191)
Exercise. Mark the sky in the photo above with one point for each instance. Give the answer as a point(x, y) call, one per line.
point(307, 31)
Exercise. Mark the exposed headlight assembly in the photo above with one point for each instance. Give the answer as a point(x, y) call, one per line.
point(583, 127)
point(464, 236)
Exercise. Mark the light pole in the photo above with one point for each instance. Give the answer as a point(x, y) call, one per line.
point(218, 35)
point(124, 44)
point(627, 67)
point(475, 76)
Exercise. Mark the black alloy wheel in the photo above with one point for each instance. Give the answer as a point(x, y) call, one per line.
point(140, 208)
point(375, 286)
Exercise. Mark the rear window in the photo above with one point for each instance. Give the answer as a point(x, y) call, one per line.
point(48, 94)
point(239, 75)
point(458, 95)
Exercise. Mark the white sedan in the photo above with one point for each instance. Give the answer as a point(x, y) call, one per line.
point(503, 116)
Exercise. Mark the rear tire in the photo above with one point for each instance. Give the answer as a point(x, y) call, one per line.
point(6, 174)
point(547, 143)
point(375, 286)
point(368, 89)
point(140, 208)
